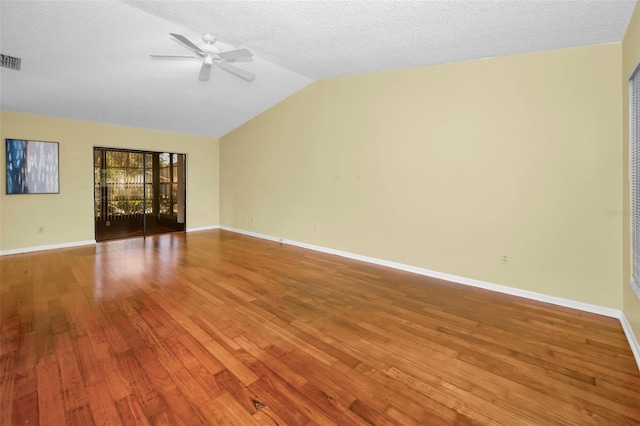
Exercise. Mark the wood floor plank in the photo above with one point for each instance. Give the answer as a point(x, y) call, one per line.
point(26, 409)
point(214, 327)
point(102, 405)
point(227, 411)
point(159, 378)
point(370, 415)
point(211, 345)
point(244, 395)
point(26, 373)
point(271, 384)
point(50, 399)
point(267, 417)
point(273, 364)
point(8, 362)
point(142, 388)
point(80, 416)
point(404, 419)
point(130, 412)
point(70, 374)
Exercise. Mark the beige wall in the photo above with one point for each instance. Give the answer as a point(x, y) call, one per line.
point(448, 168)
point(68, 216)
point(630, 57)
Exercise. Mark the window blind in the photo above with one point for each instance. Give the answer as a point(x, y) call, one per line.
point(634, 154)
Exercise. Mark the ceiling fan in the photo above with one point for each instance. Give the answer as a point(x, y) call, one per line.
point(211, 56)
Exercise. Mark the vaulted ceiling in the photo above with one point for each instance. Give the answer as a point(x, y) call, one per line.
point(89, 60)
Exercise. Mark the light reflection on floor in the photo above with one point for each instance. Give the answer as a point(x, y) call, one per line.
point(123, 266)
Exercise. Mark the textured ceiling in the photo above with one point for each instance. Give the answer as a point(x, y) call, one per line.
point(89, 60)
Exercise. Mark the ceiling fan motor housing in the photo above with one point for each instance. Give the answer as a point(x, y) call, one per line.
point(208, 45)
point(208, 38)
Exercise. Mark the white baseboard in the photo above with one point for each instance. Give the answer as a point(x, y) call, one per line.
point(203, 228)
point(631, 338)
point(47, 247)
point(252, 234)
point(586, 307)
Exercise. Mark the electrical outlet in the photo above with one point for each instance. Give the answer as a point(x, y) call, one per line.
point(504, 259)
point(40, 229)
point(108, 223)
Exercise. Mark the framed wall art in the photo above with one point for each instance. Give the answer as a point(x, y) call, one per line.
point(32, 167)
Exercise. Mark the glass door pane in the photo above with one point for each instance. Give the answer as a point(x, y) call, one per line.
point(171, 190)
point(138, 193)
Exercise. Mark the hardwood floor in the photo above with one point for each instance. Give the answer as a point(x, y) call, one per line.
point(219, 328)
point(133, 227)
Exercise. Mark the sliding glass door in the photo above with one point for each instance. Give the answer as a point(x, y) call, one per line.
point(138, 193)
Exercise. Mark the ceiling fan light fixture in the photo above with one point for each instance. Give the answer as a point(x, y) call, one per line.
point(208, 60)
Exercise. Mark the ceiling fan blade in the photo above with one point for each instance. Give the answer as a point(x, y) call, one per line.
point(182, 39)
point(205, 72)
point(174, 57)
point(236, 71)
point(235, 54)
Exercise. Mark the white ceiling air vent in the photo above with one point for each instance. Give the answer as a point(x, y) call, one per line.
point(10, 62)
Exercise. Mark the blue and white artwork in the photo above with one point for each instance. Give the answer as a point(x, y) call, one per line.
point(32, 167)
